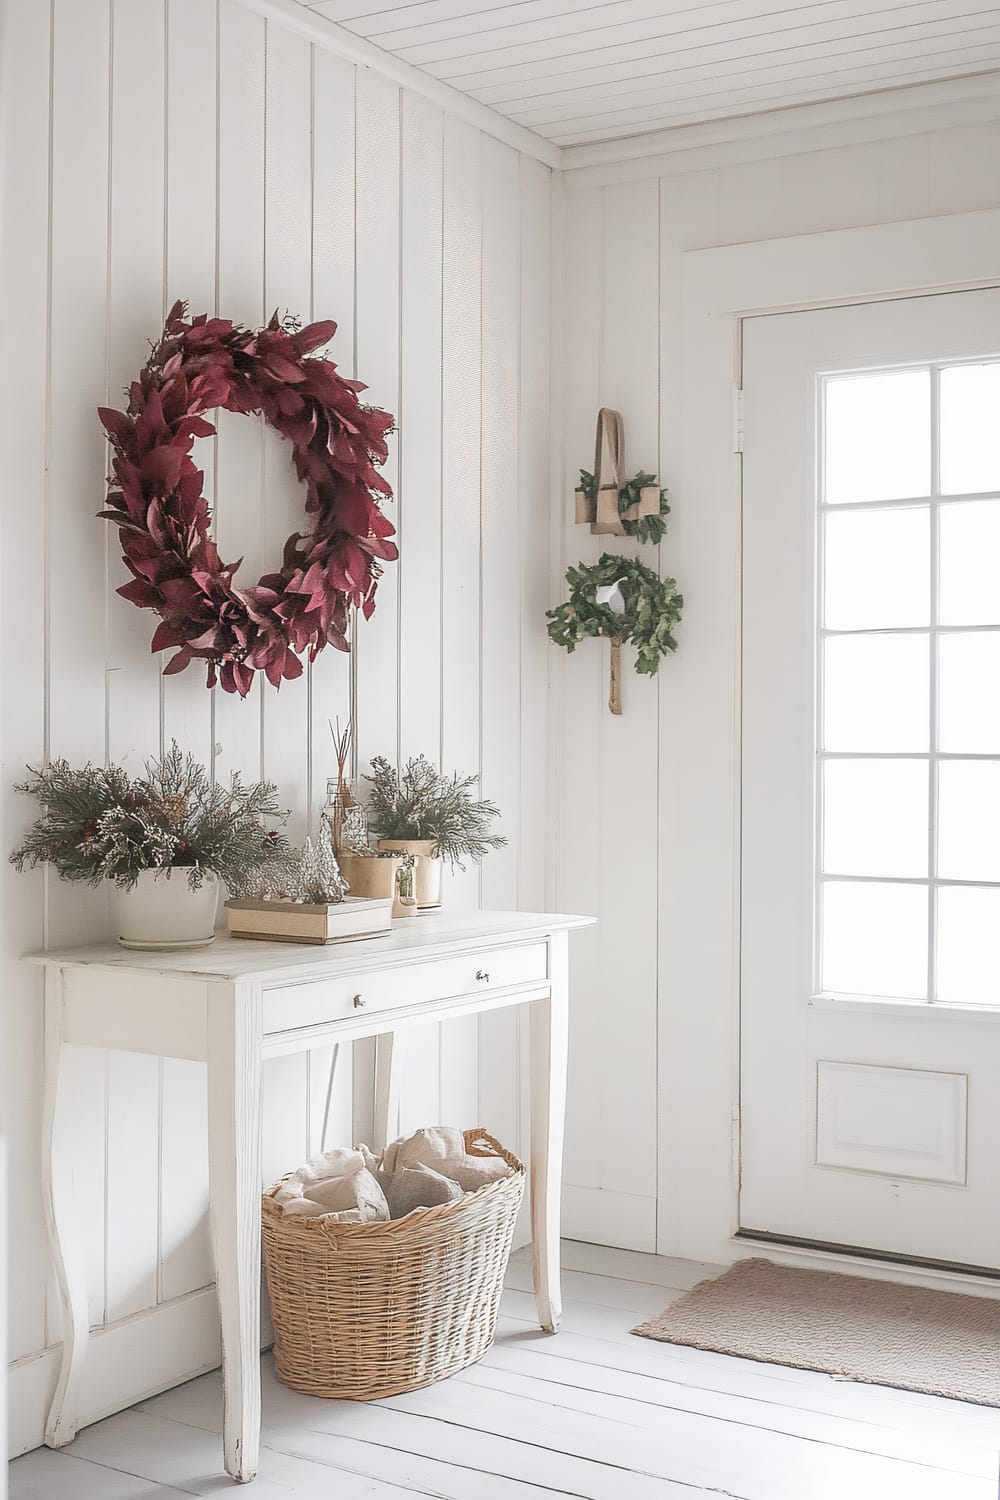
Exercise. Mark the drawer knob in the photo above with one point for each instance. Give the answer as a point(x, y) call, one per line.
point(359, 1004)
point(483, 975)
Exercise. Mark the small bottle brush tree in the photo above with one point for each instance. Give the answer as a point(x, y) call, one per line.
point(318, 874)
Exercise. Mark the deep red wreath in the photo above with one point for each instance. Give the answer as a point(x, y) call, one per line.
point(155, 497)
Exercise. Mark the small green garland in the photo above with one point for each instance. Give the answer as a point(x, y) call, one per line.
point(646, 528)
point(652, 608)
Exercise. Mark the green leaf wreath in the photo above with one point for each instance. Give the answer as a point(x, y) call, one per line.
point(652, 609)
point(644, 528)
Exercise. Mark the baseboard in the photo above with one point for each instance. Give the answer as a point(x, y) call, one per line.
point(815, 1259)
point(128, 1361)
point(625, 1221)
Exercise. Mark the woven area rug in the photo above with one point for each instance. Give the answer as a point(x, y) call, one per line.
point(941, 1343)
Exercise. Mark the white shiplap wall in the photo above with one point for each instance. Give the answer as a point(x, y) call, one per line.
point(647, 803)
point(194, 148)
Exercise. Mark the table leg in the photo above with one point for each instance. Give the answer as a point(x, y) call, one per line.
point(234, 1113)
point(549, 1035)
point(63, 1231)
point(387, 1074)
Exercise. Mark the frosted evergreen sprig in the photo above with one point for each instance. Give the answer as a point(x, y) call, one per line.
point(100, 824)
point(421, 802)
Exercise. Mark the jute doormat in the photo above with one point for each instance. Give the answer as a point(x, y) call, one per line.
point(880, 1332)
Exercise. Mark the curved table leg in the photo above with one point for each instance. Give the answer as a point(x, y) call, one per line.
point(63, 1232)
point(549, 1041)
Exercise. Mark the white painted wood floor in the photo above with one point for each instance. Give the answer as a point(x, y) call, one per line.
point(592, 1412)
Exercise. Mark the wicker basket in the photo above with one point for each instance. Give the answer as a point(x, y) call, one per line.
point(367, 1310)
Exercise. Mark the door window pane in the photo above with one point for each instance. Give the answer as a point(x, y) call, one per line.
point(968, 945)
point(875, 939)
point(970, 429)
point(878, 436)
point(876, 692)
point(877, 568)
point(908, 714)
point(969, 820)
point(875, 818)
point(969, 693)
point(970, 562)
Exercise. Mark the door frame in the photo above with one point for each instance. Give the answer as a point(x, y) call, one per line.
point(699, 989)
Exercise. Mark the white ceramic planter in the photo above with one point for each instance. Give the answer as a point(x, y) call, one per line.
point(162, 911)
point(426, 868)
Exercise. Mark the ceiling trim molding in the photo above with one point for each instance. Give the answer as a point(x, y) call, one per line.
point(333, 38)
point(783, 132)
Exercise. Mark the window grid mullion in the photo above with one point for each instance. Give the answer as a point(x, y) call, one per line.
point(932, 696)
point(819, 705)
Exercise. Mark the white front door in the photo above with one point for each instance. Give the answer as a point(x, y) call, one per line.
point(870, 1023)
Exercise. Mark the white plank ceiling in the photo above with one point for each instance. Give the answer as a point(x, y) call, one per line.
point(579, 71)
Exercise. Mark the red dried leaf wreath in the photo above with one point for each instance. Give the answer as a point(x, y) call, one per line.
point(155, 497)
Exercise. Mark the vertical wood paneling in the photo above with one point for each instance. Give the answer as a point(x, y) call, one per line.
point(135, 310)
point(629, 744)
point(329, 677)
point(191, 275)
point(78, 374)
point(24, 111)
point(584, 675)
point(534, 425)
point(377, 343)
point(135, 302)
point(239, 497)
point(191, 203)
point(609, 766)
point(200, 152)
point(333, 297)
point(499, 1052)
point(461, 363)
point(419, 509)
point(500, 539)
point(287, 289)
point(461, 385)
point(419, 443)
point(76, 547)
point(536, 512)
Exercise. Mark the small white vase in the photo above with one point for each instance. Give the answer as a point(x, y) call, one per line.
point(426, 868)
point(162, 911)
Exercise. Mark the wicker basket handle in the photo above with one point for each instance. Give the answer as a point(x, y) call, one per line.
point(479, 1142)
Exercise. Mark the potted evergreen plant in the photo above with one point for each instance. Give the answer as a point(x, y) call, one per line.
point(164, 840)
point(434, 817)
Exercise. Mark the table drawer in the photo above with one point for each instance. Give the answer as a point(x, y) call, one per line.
point(291, 1006)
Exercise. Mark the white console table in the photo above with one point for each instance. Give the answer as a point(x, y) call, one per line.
point(237, 1002)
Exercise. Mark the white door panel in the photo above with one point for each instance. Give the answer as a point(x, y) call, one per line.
point(870, 1045)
